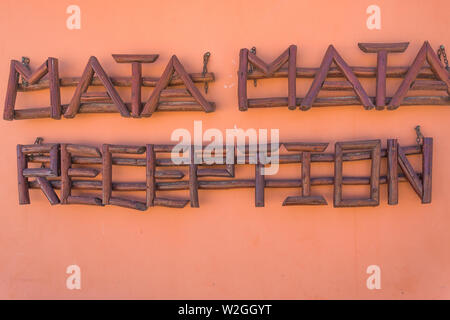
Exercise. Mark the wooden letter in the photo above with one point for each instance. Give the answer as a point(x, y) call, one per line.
point(305, 198)
point(193, 181)
point(330, 56)
point(93, 66)
point(150, 175)
point(382, 50)
point(375, 149)
point(392, 174)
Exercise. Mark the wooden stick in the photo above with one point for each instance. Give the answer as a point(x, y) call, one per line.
point(388, 47)
point(130, 58)
point(136, 83)
point(302, 200)
point(338, 178)
point(37, 148)
point(83, 172)
point(54, 159)
point(345, 101)
point(48, 190)
point(375, 174)
point(283, 158)
point(55, 97)
point(417, 85)
point(66, 182)
point(83, 150)
point(171, 203)
point(175, 93)
point(306, 174)
point(210, 172)
point(126, 81)
point(381, 80)
point(392, 169)
point(292, 69)
point(106, 174)
point(150, 175)
point(38, 172)
point(94, 201)
point(95, 97)
point(193, 181)
point(306, 146)
point(259, 185)
point(216, 184)
point(334, 72)
point(429, 85)
point(182, 106)
point(11, 93)
point(337, 86)
point(128, 149)
point(22, 162)
point(409, 172)
point(37, 113)
point(132, 204)
point(427, 165)
point(169, 174)
point(242, 79)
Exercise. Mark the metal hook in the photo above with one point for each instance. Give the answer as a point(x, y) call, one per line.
point(26, 63)
point(205, 68)
point(441, 52)
point(253, 50)
point(39, 141)
point(419, 134)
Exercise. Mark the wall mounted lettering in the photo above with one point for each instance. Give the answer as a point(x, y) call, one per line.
point(70, 167)
point(425, 73)
point(175, 90)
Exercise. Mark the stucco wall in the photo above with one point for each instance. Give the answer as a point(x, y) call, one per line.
point(227, 248)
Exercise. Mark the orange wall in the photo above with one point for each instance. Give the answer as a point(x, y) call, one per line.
point(227, 248)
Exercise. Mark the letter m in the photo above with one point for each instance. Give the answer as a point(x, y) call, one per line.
point(268, 70)
point(50, 67)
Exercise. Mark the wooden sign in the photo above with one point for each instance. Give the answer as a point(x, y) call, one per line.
point(74, 170)
point(175, 90)
point(426, 73)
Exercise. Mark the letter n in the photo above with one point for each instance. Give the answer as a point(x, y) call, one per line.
point(396, 156)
